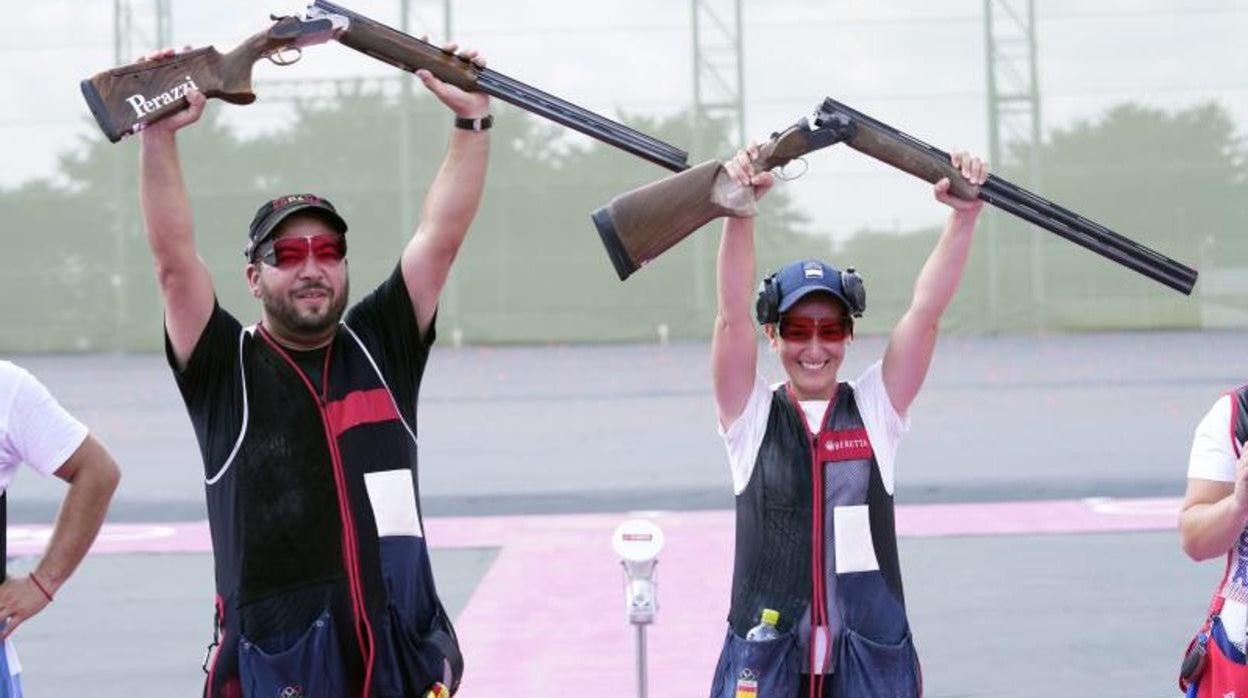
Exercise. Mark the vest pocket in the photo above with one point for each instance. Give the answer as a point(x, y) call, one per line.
point(311, 667)
point(876, 670)
point(870, 609)
point(425, 658)
point(766, 669)
point(1226, 671)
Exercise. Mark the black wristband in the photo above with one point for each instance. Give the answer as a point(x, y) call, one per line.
point(481, 124)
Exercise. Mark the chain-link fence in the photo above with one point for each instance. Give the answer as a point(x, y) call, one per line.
point(1163, 162)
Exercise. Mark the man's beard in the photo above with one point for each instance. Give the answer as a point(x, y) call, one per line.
point(282, 310)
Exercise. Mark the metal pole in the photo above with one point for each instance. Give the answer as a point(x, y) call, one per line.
point(641, 661)
point(740, 77)
point(698, 249)
point(994, 157)
point(1033, 171)
point(121, 30)
point(405, 131)
point(452, 291)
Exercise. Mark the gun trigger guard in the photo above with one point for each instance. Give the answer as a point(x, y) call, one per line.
point(288, 55)
point(785, 177)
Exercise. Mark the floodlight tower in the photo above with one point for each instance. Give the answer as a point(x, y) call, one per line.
point(406, 210)
point(1013, 114)
point(139, 27)
point(718, 93)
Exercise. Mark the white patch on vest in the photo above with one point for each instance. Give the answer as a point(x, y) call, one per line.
point(855, 551)
point(394, 503)
point(1234, 617)
point(10, 655)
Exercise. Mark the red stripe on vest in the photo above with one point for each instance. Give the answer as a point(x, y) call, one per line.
point(849, 444)
point(362, 407)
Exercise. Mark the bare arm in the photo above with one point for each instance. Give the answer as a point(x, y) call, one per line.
point(183, 278)
point(452, 201)
point(92, 476)
point(734, 348)
point(909, 352)
point(1214, 514)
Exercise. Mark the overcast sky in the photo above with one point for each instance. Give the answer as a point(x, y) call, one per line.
point(918, 65)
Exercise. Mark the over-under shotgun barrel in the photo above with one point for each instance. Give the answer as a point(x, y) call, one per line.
point(409, 53)
point(900, 149)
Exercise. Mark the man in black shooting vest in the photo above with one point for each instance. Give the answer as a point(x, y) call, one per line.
point(812, 462)
point(307, 426)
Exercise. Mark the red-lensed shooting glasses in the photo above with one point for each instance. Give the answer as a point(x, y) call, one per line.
point(292, 252)
point(796, 328)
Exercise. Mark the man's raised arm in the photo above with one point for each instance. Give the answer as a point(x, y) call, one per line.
point(453, 198)
point(183, 278)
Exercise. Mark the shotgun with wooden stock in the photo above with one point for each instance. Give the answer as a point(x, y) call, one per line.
point(126, 99)
point(640, 225)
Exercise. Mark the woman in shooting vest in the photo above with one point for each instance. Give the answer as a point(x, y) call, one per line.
point(812, 462)
point(1213, 523)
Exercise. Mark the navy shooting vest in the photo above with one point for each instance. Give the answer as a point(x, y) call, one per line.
point(324, 586)
point(784, 521)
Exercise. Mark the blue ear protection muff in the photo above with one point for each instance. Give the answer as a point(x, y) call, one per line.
point(855, 292)
point(767, 305)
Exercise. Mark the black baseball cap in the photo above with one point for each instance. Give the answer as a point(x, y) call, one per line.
point(272, 213)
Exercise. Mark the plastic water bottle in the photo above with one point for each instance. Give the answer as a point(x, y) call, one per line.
point(766, 629)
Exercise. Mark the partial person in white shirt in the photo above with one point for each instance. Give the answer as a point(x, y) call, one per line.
point(1214, 523)
point(36, 431)
point(812, 460)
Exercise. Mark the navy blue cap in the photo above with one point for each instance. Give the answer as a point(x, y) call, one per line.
point(272, 213)
point(799, 279)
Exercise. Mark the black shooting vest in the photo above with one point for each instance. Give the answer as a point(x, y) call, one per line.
point(310, 593)
point(774, 538)
point(1239, 415)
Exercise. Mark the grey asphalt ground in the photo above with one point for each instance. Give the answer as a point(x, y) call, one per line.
point(610, 428)
point(617, 428)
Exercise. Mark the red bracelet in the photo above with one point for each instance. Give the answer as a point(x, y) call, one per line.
point(35, 579)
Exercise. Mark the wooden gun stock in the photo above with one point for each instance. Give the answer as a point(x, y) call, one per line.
point(642, 224)
point(126, 99)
